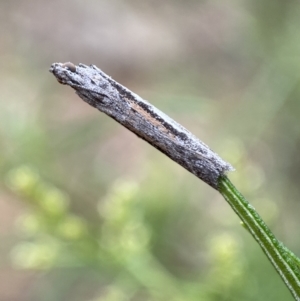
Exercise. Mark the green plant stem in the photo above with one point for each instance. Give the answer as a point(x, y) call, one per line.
point(280, 257)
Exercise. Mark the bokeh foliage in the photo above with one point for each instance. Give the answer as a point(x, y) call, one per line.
point(88, 211)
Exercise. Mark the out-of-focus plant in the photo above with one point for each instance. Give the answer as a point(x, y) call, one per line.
point(53, 237)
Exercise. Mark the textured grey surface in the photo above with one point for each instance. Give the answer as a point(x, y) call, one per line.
point(140, 117)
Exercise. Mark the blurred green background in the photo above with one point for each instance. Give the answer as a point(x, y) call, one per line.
point(89, 212)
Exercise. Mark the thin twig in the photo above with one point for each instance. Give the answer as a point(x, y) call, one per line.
point(283, 260)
